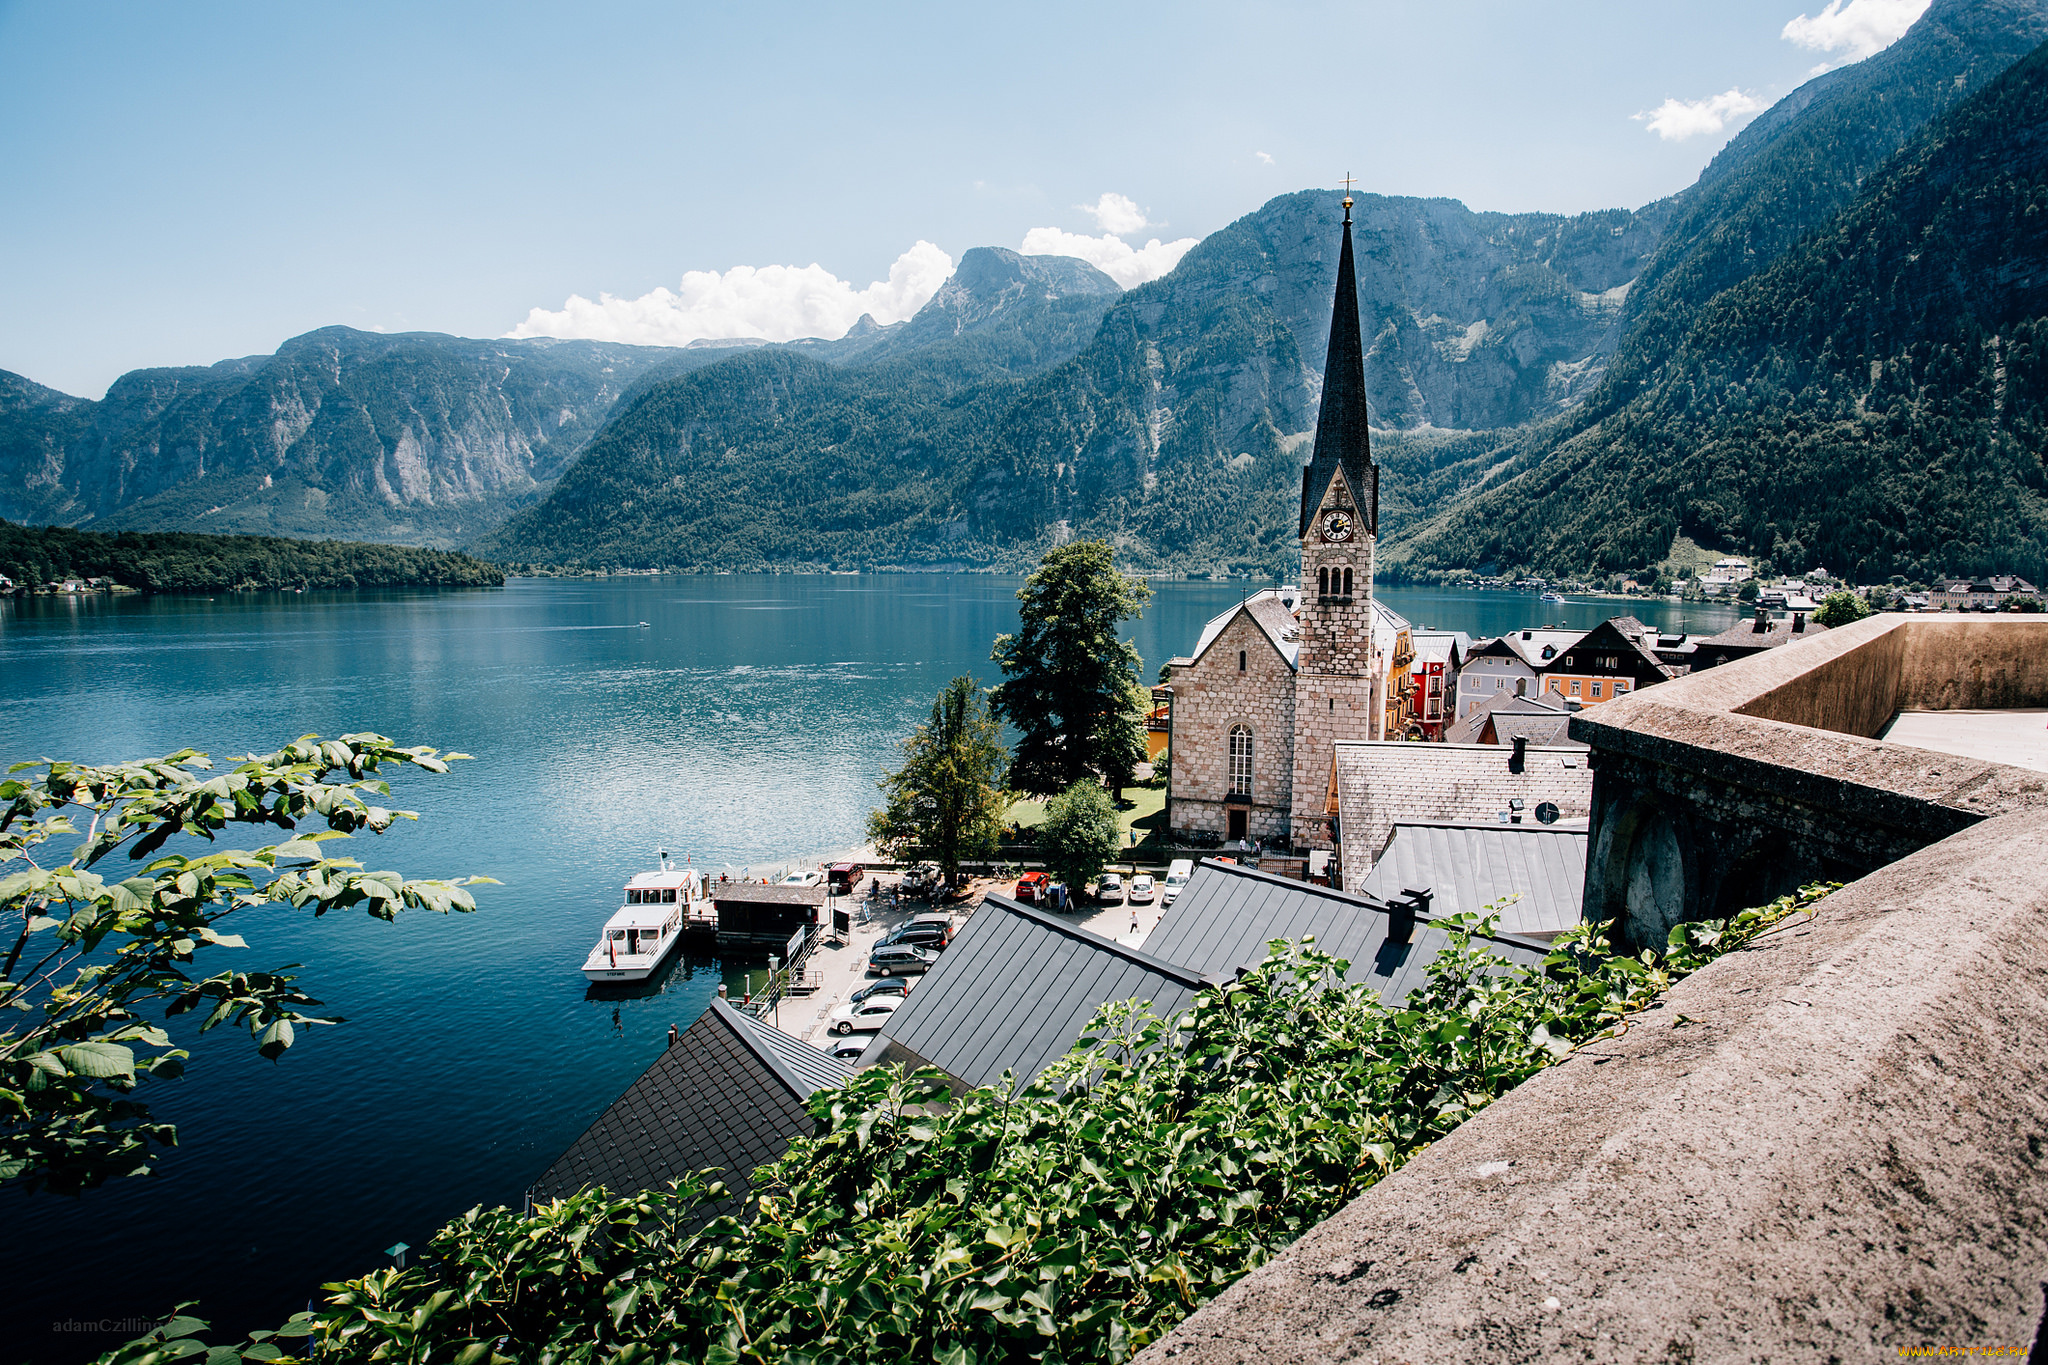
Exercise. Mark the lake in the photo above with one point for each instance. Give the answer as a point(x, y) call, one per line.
point(743, 725)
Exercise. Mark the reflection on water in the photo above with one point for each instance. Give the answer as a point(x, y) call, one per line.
point(746, 726)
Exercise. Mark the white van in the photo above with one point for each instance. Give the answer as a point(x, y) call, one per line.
point(1177, 873)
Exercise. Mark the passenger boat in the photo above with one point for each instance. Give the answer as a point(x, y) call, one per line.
point(645, 928)
point(1550, 597)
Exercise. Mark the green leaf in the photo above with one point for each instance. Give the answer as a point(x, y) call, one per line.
point(101, 1061)
point(275, 1039)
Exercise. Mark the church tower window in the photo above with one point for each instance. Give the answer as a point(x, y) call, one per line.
point(1347, 582)
point(1240, 661)
point(1240, 761)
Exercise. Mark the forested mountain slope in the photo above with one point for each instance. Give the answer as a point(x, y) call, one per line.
point(1170, 430)
point(1805, 160)
point(416, 437)
point(1876, 401)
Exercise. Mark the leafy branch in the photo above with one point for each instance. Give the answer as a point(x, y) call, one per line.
point(89, 952)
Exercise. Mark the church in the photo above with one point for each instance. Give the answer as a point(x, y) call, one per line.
point(1274, 682)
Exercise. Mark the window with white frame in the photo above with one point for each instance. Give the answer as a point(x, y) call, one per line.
point(1240, 761)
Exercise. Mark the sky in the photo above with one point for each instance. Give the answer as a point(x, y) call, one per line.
point(181, 184)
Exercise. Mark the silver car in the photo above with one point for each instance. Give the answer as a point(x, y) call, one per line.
point(1109, 889)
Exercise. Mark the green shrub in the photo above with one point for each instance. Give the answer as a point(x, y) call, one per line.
point(1076, 1218)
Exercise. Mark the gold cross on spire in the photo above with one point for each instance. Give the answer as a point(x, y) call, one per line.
point(1348, 183)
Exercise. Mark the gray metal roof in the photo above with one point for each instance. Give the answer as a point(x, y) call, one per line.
point(1227, 914)
point(1015, 990)
point(1470, 866)
point(728, 1095)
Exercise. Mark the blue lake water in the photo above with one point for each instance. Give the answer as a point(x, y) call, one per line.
point(744, 725)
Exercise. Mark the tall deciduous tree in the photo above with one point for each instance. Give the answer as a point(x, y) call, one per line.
point(1840, 608)
point(948, 798)
point(1070, 686)
point(1079, 834)
point(86, 953)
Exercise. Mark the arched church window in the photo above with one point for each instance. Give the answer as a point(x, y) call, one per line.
point(1240, 661)
point(1240, 761)
point(1347, 582)
point(1322, 582)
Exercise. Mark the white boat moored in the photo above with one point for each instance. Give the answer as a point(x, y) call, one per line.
point(645, 929)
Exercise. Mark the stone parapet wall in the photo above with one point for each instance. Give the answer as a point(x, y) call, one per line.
point(1830, 1146)
point(1719, 789)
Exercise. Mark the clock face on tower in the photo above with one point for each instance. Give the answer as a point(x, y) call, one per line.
point(1336, 526)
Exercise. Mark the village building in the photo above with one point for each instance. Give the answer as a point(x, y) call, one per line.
point(728, 1095)
point(1274, 682)
point(1979, 594)
point(1751, 637)
point(1610, 660)
point(1439, 655)
point(1371, 787)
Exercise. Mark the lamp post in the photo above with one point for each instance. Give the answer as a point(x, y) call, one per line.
point(775, 990)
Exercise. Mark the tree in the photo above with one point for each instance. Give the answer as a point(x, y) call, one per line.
point(948, 798)
point(1748, 591)
point(1839, 608)
point(93, 952)
point(1070, 686)
point(1079, 834)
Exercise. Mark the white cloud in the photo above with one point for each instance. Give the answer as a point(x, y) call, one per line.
point(1676, 120)
point(1117, 214)
point(779, 302)
point(1851, 31)
point(1129, 266)
point(1266, 157)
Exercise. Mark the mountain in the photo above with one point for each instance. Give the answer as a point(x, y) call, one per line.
point(1177, 413)
point(1806, 159)
point(415, 437)
point(1875, 401)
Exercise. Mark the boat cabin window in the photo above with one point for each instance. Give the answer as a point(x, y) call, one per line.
point(669, 896)
point(618, 933)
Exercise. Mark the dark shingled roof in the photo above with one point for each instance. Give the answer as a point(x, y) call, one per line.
point(757, 894)
point(729, 1095)
point(1226, 915)
point(1015, 990)
point(1470, 866)
point(1341, 439)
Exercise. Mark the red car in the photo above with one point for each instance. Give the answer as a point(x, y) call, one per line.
point(1031, 887)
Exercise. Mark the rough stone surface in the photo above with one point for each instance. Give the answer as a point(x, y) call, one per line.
point(1726, 787)
point(1212, 696)
point(1827, 1147)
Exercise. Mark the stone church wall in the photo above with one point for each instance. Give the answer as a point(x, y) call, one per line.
point(1209, 697)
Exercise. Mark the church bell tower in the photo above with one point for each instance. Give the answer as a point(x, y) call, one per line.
point(1338, 679)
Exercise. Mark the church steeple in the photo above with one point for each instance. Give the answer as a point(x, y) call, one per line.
point(1341, 440)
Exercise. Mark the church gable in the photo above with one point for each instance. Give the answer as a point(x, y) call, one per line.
point(1233, 732)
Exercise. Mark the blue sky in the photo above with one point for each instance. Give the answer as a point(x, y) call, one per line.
point(190, 182)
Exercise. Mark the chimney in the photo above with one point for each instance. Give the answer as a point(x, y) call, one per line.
point(1402, 914)
point(1798, 623)
point(1763, 619)
point(1519, 760)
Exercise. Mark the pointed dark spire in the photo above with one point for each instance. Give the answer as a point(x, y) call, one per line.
point(1341, 440)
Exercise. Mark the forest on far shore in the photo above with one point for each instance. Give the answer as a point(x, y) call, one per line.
point(182, 561)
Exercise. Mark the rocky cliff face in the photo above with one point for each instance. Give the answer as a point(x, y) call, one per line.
point(417, 437)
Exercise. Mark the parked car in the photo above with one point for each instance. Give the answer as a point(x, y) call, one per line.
point(1031, 887)
point(1142, 889)
point(936, 919)
point(1109, 889)
point(811, 878)
point(921, 932)
point(846, 1049)
point(899, 959)
point(1177, 873)
point(888, 985)
point(845, 878)
point(865, 1016)
point(921, 880)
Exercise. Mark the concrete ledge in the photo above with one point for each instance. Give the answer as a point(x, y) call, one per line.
point(1827, 1147)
